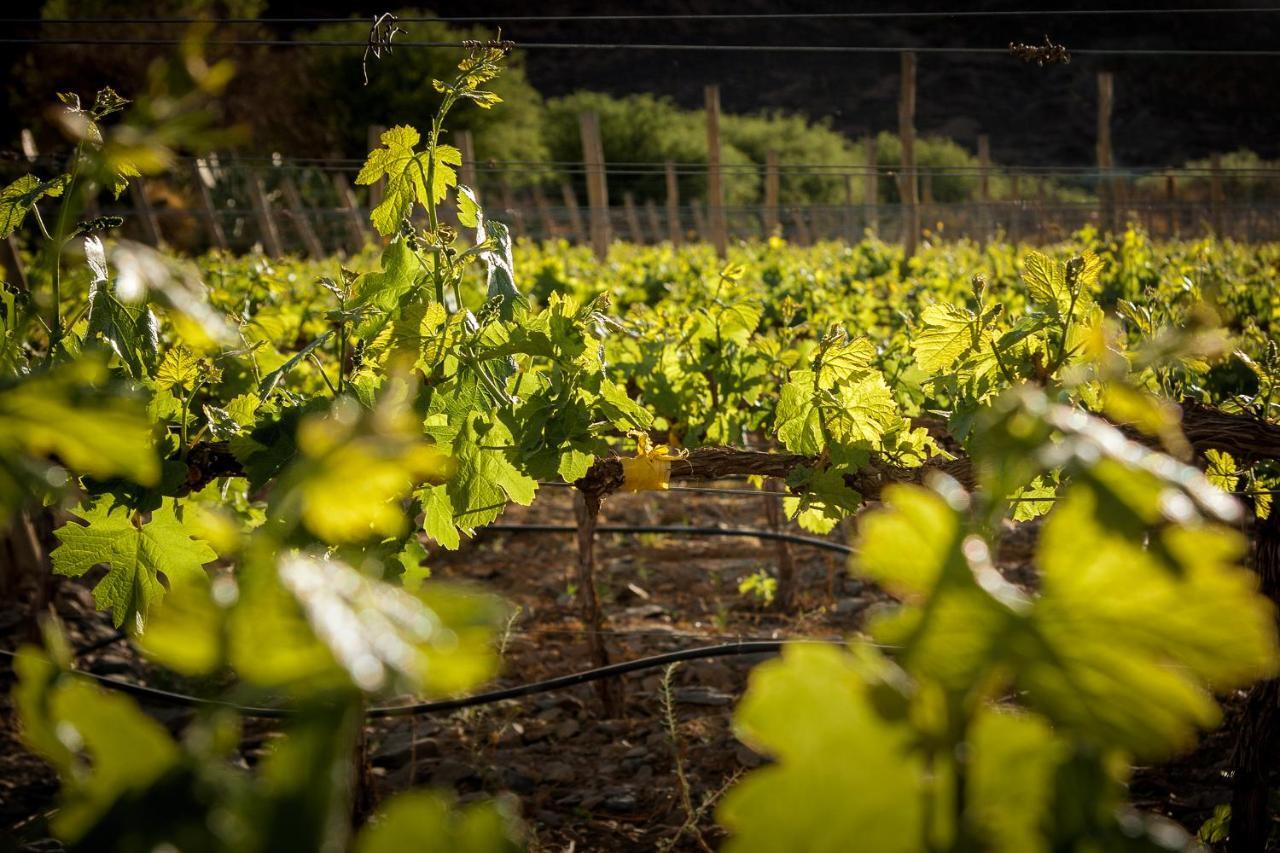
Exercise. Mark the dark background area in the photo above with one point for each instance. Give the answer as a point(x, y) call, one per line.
point(1168, 108)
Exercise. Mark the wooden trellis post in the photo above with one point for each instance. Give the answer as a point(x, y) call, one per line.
point(984, 186)
point(550, 228)
point(655, 220)
point(267, 228)
point(907, 133)
point(597, 188)
point(357, 224)
point(217, 237)
point(674, 231)
point(633, 218)
point(1106, 162)
point(771, 192)
point(298, 214)
point(374, 140)
point(146, 213)
point(715, 186)
point(575, 213)
point(871, 185)
point(1215, 193)
point(467, 171)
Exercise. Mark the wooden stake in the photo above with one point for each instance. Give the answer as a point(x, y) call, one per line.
point(674, 231)
point(771, 193)
point(298, 214)
point(655, 219)
point(1171, 198)
point(467, 171)
point(217, 237)
point(907, 133)
point(871, 185)
point(267, 228)
point(1106, 186)
point(597, 188)
point(575, 213)
point(357, 224)
point(147, 214)
point(715, 187)
point(586, 508)
point(699, 220)
point(803, 235)
point(633, 218)
point(550, 228)
point(984, 186)
point(374, 139)
point(1215, 193)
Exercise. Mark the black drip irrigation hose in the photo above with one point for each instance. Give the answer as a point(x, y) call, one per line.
point(743, 647)
point(749, 647)
point(675, 530)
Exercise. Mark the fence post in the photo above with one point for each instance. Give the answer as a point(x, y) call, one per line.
point(715, 187)
point(298, 214)
point(267, 228)
point(907, 134)
point(575, 213)
point(550, 229)
point(655, 220)
point(1215, 193)
point(1015, 214)
point(871, 185)
point(1106, 162)
point(467, 171)
point(770, 193)
point(674, 232)
point(1170, 200)
point(633, 218)
point(699, 220)
point(217, 237)
point(150, 226)
point(597, 188)
point(984, 187)
point(356, 223)
point(374, 140)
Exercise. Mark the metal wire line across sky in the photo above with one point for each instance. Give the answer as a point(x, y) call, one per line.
point(659, 46)
point(690, 16)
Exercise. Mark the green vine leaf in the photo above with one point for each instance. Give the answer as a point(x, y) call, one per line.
point(138, 554)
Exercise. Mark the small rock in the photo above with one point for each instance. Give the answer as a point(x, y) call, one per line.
point(714, 674)
point(556, 771)
point(636, 752)
point(536, 730)
point(620, 804)
point(852, 605)
point(112, 665)
point(568, 729)
point(851, 585)
point(397, 751)
point(644, 611)
point(702, 696)
point(551, 714)
point(644, 775)
point(451, 772)
point(517, 782)
point(747, 757)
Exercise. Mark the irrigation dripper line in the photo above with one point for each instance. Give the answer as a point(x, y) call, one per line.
point(676, 530)
point(753, 647)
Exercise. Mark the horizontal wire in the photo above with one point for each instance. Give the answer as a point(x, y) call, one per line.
point(683, 16)
point(675, 530)
point(759, 647)
point(234, 162)
point(658, 46)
